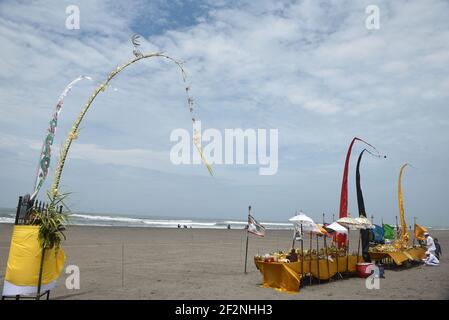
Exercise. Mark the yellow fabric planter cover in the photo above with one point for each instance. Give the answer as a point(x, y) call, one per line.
point(25, 257)
point(286, 277)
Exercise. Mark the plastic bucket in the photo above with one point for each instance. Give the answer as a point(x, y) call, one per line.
point(362, 269)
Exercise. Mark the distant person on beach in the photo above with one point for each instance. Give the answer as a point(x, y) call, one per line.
point(431, 260)
point(430, 243)
point(438, 252)
point(292, 256)
point(229, 227)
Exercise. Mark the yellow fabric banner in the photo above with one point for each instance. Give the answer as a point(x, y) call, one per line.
point(25, 257)
point(419, 232)
point(404, 231)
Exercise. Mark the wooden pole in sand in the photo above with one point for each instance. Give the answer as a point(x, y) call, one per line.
point(347, 253)
point(294, 237)
point(337, 256)
point(327, 259)
point(358, 247)
point(247, 238)
point(414, 226)
point(397, 227)
point(318, 258)
point(310, 261)
point(302, 256)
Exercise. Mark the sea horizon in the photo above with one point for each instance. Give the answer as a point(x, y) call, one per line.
point(81, 218)
point(7, 215)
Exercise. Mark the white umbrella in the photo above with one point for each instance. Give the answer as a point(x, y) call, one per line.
point(350, 223)
point(337, 228)
point(301, 219)
point(364, 223)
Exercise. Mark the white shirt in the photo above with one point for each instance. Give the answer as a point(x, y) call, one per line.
point(432, 260)
point(430, 244)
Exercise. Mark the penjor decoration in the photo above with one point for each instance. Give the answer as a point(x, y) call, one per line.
point(45, 156)
point(341, 238)
point(73, 134)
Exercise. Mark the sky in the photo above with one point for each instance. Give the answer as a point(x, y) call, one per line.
point(310, 69)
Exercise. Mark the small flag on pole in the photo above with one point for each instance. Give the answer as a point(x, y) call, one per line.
point(388, 231)
point(419, 232)
point(255, 227)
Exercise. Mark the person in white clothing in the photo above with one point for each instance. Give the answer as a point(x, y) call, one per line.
point(431, 260)
point(430, 243)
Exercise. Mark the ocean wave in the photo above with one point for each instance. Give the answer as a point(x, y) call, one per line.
point(83, 219)
point(6, 220)
point(279, 224)
point(104, 218)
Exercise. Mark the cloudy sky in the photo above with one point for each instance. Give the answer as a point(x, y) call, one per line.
point(310, 69)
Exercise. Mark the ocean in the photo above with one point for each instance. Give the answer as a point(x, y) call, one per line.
point(7, 215)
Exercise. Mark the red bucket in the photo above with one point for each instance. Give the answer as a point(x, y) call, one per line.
point(362, 269)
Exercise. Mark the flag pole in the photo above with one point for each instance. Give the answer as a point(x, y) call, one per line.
point(397, 227)
point(247, 238)
point(414, 227)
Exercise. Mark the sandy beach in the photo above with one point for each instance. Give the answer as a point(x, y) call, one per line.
point(151, 263)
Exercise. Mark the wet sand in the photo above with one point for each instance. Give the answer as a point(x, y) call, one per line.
point(150, 263)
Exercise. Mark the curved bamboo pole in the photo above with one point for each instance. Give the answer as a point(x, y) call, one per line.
point(73, 134)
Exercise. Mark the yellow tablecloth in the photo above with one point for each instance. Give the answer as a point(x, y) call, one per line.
point(399, 257)
point(287, 276)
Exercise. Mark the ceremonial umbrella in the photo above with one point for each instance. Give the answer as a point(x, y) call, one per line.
point(364, 224)
point(335, 226)
point(338, 228)
point(351, 224)
point(302, 221)
point(313, 229)
point(325, 233)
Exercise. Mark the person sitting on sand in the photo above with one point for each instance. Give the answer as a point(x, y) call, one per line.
point(430, 243)
point(437, 249)
point(431, 260)
point(292, 256)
